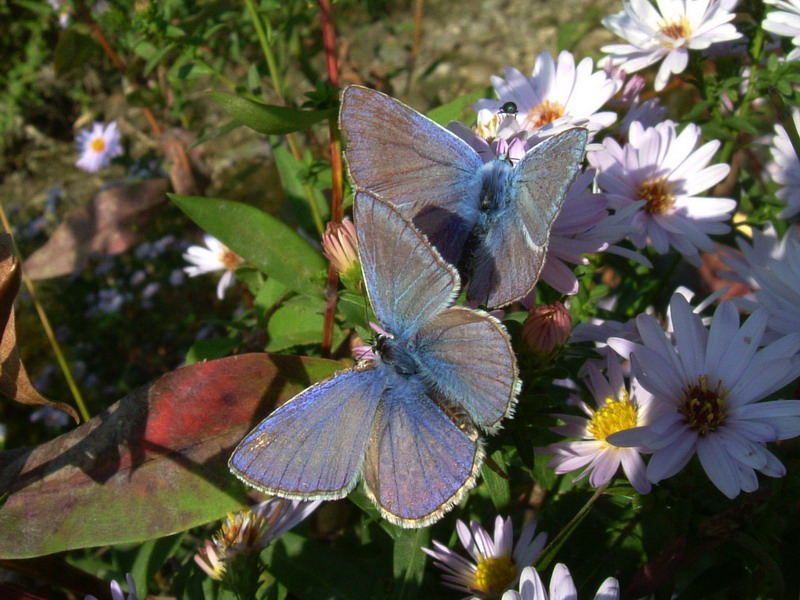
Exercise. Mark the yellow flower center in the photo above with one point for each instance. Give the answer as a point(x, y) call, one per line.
point(230, 259)
point(487, 128)
point(544, 113)
point(97, 144)
point(678, 29)
point(658, 194)
point(616, 415)
point(494, 575)
point(703, 406)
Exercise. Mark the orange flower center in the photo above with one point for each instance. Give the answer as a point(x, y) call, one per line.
point(544, 113)
point(676, 30)
point(230, 259)
point(97, 144)
point(658, 194)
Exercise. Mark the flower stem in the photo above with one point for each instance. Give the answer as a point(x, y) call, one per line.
point(331, 286)
point(549, 552)
point(277, 85)
point(756, 49)
point(62, 362)
point(85, 16)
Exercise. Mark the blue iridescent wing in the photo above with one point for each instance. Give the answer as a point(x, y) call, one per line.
point(507, 263)
point(407, 280)
point(313, 446)
point(425, 171)
point(419, 463)
point(467, 357)
point(541, 180)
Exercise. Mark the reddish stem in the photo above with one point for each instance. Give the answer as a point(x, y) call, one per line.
point(85, 16)
point(332, 285)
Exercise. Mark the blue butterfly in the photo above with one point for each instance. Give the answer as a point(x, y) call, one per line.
point(491, 220)
point(409, 420)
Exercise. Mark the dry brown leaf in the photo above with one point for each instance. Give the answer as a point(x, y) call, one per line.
point(188, 171)
point(107, 225)
point(14, 381)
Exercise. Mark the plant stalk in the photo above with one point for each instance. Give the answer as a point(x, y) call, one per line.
point(332, 284)
point(62, 361)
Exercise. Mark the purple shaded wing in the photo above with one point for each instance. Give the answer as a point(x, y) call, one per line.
point(425, 171)
point(509, 259)
point(483, 383)
point(407, 280)
point(419, 463)
point(313, 446)
point(541, 180)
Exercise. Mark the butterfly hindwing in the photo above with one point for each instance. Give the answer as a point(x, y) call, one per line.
point(313, 446)
point(407, 280)
point(419, 463)
point(467, 355)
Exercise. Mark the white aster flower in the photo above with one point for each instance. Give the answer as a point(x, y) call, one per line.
point(668, 32)
point(785, 22)
point(117, 593)
point(583, 226)
point(661, 167)
point(557, 96)
point(98, 146)
point(250, 531)
point(496, 567)
point(562, 587)
point(710, 380)
point(772, 268)
point(216, 256)
point(618, 408)
point(786, 168)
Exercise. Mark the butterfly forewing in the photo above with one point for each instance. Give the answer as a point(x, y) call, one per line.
point(313, 446)
point(402, 156)
point(467, 356)
point(413, 163)
point(407, 280)
point(420, 462)
point(541, 180)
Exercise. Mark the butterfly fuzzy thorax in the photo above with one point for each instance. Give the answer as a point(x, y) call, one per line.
point(407, 421)
point(490, 220)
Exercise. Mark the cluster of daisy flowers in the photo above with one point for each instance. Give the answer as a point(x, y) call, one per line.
point(704, 386)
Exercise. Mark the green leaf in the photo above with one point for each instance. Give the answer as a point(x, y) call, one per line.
point(269, 118)
point(408, 564)
point(498, 486)
point(210, 349)
point(312, 571)
point(268, 296)
point(296, 209)
point(151, 555)
point(152, 464)
point(297, 323)
point(260, 239)
point(459, 109)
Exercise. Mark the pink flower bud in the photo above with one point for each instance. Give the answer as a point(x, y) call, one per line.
point(547, 328)
point(340, 247)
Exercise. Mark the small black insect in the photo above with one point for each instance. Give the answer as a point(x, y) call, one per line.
point(508, 108)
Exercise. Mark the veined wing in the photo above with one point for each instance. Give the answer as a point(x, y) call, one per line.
point(407, 280)
point(313, 446)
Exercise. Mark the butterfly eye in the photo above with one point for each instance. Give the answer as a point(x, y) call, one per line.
point(508, 108)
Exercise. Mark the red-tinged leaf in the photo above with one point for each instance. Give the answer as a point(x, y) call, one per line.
point(108, 224)
point(14, 381)
point(152, 464)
